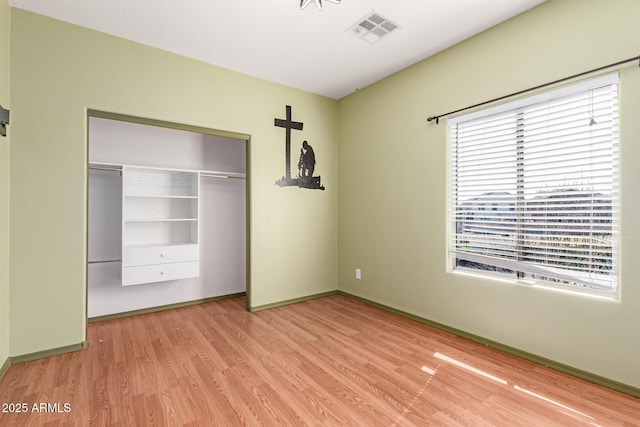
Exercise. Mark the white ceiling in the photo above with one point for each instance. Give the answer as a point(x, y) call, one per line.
point(273, 39)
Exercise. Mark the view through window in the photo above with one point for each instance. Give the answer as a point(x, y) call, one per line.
point(535, 188)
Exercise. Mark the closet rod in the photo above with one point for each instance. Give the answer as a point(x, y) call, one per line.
point(520, 92)
point(206, 175)
point(106, 168)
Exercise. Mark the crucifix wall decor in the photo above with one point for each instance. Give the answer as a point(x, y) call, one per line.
point(307, 162)
point(288, 124)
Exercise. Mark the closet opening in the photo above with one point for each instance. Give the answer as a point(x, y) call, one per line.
point(167, 215)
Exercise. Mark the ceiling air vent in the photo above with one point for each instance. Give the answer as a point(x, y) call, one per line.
point(372, 27)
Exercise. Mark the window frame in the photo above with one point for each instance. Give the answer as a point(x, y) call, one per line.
point(513, 106)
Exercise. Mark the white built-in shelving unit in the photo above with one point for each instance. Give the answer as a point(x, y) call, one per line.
point(159, 225)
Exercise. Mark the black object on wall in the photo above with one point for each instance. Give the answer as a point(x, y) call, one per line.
point(307, 162)
point(4, 121)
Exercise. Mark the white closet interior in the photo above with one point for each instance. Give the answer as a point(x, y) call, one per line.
point(167, 216)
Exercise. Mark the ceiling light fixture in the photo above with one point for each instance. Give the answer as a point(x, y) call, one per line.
point(305, 3)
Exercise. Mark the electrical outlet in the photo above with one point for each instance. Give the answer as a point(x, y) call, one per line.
point(358, 274)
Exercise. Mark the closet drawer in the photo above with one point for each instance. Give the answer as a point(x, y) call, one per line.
point(159, 272)
point(149, 255)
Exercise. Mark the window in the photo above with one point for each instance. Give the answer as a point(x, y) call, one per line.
point(535, 189)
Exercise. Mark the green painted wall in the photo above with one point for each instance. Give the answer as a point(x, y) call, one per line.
point(393, 178)
point(58, 71)
point(5, 14)
point(393, 187)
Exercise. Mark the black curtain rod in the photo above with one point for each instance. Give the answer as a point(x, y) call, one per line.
point(520, 92)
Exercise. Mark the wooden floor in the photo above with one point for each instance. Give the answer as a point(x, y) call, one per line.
point(327, 362)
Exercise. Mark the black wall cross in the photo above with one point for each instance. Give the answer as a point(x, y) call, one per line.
point(307, 162)
point(288, 124)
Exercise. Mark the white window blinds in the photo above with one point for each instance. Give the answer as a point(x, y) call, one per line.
point(535, 188)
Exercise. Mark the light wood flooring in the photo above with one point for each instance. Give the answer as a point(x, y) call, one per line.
point(326, 362)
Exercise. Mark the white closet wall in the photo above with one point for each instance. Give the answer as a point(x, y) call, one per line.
point(222, 213)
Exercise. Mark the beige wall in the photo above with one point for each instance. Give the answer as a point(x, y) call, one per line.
point(5, 13)
point(60, 70)
point(393, 182)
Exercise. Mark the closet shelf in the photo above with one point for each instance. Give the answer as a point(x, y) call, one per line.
point(156, 196)
point(159, 219)
point(158, 245)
